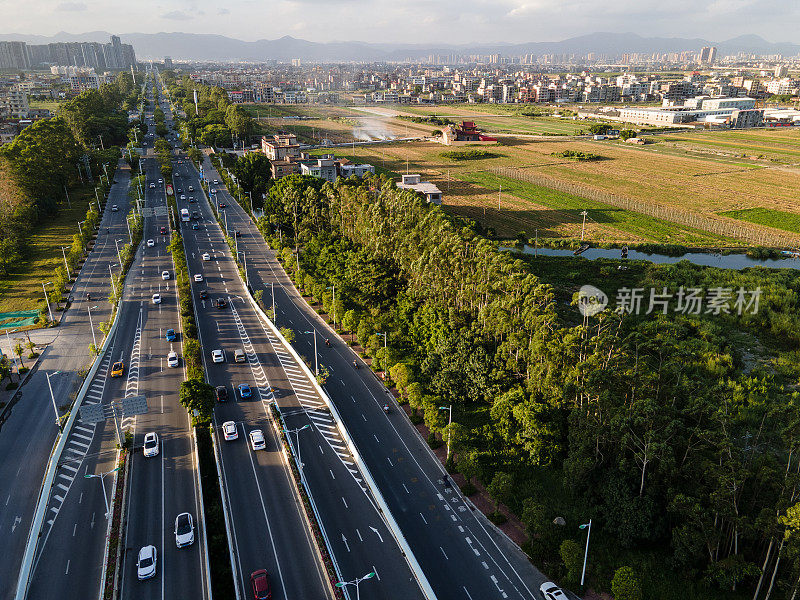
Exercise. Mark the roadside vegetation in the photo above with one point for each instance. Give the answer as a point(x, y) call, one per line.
point(675, 433)
point(44, 190)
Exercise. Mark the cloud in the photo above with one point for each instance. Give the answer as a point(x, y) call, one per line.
point(176, 15)
point(71, 7)
point(223, 11)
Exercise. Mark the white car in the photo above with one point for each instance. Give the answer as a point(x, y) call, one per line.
point(229, 431)
point(217, 356)
point(160, 180)
point(152, 185)
point(172, 359)
point(216, 182)
point(114, 208)
point(213, 190)
point(257, 439)
point(183, 196)
point(164, 275)
point(146, 564)
point(184, 530)
point(206, 256)
point(550, 591)
point(151, 243)
point(150, 447)
point(198, 278)
point(156, 298)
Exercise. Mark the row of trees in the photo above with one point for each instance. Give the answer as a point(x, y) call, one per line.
point(659, 427)
point(216, 121)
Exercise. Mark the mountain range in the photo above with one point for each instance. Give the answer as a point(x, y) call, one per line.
point(210, 47)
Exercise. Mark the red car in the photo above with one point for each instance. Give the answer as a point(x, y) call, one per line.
point(260, 583)
point(163, 230)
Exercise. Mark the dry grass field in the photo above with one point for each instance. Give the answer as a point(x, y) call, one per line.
point(656, 173)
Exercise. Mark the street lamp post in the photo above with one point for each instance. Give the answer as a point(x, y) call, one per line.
point(449, 422)
point(355, 582)
point(91, 325)
point(274, 314)
point(588, 527)
point(101, 477)
point(244, 261)
point(80, 228)
point(53, 398)
point(296, 433)
point(316, 361)
point(111, 274)
point(46, 299)
point(66, 264)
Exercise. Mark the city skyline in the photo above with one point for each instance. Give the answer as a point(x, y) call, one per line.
point(448, 22)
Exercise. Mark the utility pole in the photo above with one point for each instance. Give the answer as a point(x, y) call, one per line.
point(583, 227)
point(499, 194)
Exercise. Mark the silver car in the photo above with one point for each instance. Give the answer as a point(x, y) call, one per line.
point(146, 564)
point(184, 530)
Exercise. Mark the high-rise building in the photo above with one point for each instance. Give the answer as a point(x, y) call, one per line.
point(708, 55)
point(14, 55)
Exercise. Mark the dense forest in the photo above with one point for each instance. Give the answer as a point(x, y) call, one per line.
point(47, 158)
point(676, 433)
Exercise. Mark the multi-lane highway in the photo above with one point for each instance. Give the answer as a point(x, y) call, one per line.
point(70, 549)
point(462, 554)
point(29, 430)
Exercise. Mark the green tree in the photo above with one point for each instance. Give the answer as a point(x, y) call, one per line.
point(625, 585)
point(402, 375)
point(627, 134)
point(500, 488)
point(19, 351)
point(197, 395)
point(469, 465)
point(571, 554)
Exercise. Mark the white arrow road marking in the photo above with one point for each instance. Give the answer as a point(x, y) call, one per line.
point(344, 539)
point(376, 533)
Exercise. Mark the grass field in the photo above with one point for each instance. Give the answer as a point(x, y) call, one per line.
point(51, 105)
point(23, 290)
point(778, 219)
point(683, 170)
point(552, 212)
point(773, 145)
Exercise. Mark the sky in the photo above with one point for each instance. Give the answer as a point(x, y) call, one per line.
point(410, 21)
